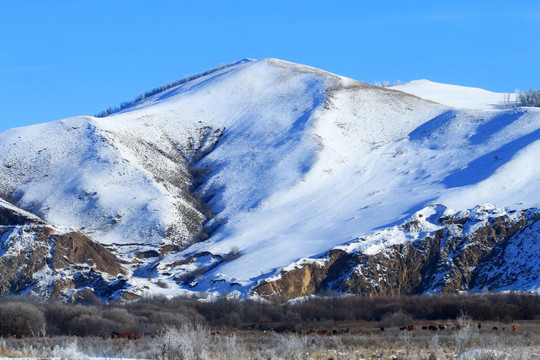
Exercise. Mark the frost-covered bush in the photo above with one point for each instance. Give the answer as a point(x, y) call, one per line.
point(463, 336)
point(229, 347)
point(529, 98)
point(292, 346)
point(387, 83)
point(189, 342)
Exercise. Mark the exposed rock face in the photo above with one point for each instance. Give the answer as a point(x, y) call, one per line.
point(463, 251)
point(37, 258)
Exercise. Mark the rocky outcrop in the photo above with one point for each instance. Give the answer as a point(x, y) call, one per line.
point(40, 259)
point(448, 252)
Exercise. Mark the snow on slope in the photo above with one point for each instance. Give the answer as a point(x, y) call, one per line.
point(295, 160)
point(70, 172)
point(460, 97)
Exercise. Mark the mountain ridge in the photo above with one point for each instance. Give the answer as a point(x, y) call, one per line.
point(220, 182)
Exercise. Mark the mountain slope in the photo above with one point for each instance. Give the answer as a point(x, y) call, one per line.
point(460, 97)
point(221, 182)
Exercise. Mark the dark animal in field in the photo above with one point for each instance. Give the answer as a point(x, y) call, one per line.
point(424, 327)
point(133, 336)
point(403, 328)
point(282, 330)
point(334, 332)
point(479, 325)
point(442, 327)
point(432, 328)
point(411, 328)
point(495, 328)
point(117, 335)
point(381, 329)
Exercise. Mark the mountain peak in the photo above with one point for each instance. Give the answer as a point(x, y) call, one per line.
point(220, 181)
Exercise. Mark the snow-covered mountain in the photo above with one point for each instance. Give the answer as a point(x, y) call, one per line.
point(232, 180)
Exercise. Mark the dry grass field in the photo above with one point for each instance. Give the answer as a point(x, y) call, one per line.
point(364, 341)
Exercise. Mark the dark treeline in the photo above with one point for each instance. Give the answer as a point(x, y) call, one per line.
point(27, 316)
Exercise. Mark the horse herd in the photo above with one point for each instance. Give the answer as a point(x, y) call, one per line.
point(287, 330)
point(326, 332)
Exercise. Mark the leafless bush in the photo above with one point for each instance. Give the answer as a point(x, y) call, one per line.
point(122, 320)
point(21, 319)
point(234, 253)
point(396, 319)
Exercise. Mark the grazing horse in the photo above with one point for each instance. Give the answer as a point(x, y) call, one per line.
point(514, 328)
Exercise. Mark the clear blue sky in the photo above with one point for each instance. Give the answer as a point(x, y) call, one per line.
point(60, 58)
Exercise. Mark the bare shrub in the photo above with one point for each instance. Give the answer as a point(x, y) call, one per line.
point(398, 318)
point(163, 320)
point(122, 320)
point(234, 253)
point(91, 324)
point(21, 319)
